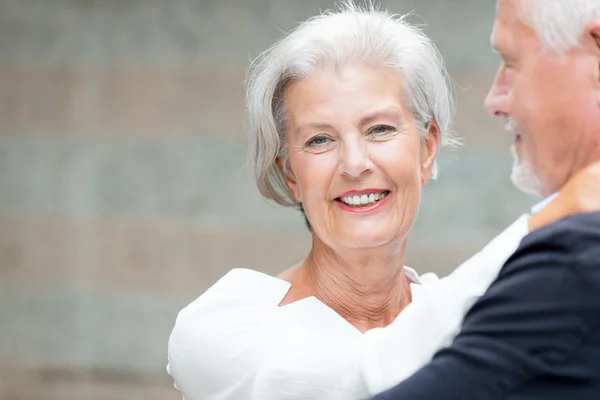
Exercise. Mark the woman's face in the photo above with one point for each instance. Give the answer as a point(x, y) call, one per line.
point(357, 158)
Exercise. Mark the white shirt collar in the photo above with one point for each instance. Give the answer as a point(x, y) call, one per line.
point(540, 206)
point(412, 275)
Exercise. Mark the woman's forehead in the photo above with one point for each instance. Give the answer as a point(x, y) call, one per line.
point(354, 83)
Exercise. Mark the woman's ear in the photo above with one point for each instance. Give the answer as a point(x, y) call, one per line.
point(289, 180)
point(430, 146)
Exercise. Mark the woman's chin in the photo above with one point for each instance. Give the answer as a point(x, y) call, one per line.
point(362, 235)
point(362, 240)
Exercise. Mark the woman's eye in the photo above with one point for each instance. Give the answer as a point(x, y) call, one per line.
point(382, 130)
point(320, 140)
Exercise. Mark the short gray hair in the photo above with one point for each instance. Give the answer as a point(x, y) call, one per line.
point(350, 34)
point(559, 24)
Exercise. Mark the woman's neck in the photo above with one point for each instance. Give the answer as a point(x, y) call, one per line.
point(366, 288)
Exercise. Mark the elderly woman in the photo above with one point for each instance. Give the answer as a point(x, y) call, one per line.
point(346, 115)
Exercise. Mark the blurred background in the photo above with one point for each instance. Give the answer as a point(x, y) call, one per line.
point(123, 193)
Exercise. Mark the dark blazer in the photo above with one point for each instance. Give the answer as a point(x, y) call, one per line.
point(535, 334)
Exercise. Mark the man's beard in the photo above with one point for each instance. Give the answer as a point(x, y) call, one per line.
point(523, 177)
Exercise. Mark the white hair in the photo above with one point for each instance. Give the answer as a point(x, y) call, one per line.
point(335, 38)
point(523, 176)
point(560, 24)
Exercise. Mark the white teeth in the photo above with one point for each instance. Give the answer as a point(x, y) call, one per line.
point(363, 200)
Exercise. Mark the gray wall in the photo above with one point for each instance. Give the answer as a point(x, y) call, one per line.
point(122, 189)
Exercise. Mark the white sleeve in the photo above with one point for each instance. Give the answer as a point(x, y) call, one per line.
point(216, 350)
point(220, 351)
point(241, 352)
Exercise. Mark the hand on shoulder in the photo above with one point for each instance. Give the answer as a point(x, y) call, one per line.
point(581, 194)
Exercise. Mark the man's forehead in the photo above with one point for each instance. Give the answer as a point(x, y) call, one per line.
point(508, 14)
point(508, 10)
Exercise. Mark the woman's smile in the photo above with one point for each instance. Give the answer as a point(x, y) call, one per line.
point(362, 201)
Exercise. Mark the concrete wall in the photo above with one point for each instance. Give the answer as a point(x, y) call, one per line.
point(122, 189)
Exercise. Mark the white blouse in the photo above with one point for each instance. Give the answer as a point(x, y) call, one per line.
point(235, 343)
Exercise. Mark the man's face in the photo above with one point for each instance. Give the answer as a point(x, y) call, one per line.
point(549, 101)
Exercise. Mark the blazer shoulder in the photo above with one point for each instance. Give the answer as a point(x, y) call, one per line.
point(577, 235)
point(571, 246)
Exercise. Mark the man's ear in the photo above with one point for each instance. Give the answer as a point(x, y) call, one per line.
point(591, 44)
point(289, 180)
point(591, 37)
point(430, 146)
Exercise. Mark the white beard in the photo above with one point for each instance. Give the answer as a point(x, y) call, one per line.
point(523, 177)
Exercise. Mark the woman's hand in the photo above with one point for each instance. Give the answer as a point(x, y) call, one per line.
point(579, 195)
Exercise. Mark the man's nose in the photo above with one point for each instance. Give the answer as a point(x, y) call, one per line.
point(496, 101)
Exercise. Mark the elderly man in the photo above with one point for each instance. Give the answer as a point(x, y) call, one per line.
point(535, 334)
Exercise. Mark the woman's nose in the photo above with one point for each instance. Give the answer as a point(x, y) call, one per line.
point(356, 161)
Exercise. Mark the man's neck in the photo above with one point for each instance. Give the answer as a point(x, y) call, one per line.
point(540, 206)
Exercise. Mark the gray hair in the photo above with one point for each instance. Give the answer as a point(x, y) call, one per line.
point(559, 24)
point(350, 34)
